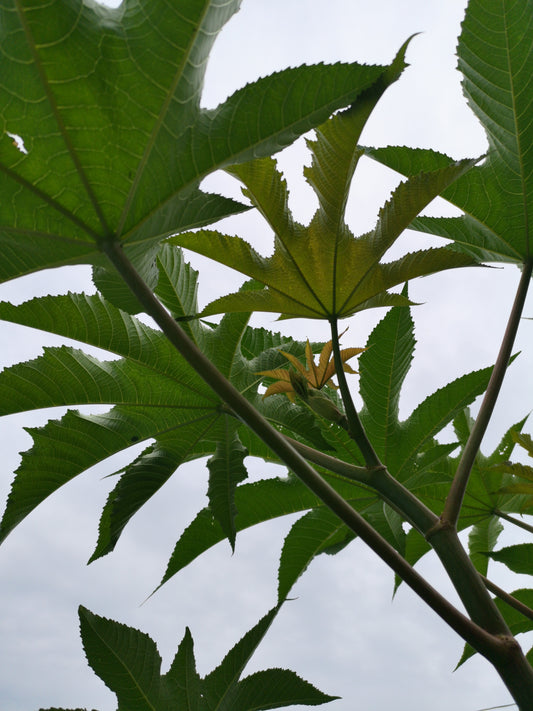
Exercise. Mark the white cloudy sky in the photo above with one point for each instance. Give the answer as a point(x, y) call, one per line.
point(343, 632)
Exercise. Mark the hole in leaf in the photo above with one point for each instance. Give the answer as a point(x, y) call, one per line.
point(18, 142)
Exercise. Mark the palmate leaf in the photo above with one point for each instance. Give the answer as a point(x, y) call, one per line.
point(322, 270)
point(485, 498)
point(521, 480)
point(129, 663)
point(141, 479)
point(155, 394)
point(496, 59)
point(255, 502)
point(157, 391)
point(115, 142)
point(223, 690)
point(487, 493)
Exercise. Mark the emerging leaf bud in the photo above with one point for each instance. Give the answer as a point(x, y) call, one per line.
point(323, 406)
point(299, 384)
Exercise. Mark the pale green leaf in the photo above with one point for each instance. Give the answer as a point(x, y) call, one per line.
point(316, 274)
point(524, 440)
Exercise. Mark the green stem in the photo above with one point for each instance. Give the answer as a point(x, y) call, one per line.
point(361, 475)
point(487, 644)
point(355, 428)
point(509, 599)
point(454, 501)
point(514, 521)
point(380, 480)
point(466, 580)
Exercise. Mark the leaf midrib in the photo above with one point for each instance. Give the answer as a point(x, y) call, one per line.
point(158, 123)
point(70, 148)
point(518, 137)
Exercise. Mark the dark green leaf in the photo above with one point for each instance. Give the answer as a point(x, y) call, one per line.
point(116, 142)
point(182, 684)
point(275, 688)
point(496, 59)
point(125, 659)
point(177, 286)
point(518, 558)
point(144, 477)
point(226, 471)
point(383, 368)
point(219, 685)
point(406, 445)
point(310, 535)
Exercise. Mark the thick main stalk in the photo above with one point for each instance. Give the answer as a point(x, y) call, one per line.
point(485, 643)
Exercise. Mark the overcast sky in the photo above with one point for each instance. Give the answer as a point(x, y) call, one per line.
point(344, 632)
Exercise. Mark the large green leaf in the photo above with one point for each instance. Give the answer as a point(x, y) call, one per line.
point(126, 660)
point(141, 479)
point(383, 372)
point(496, 59)
point(155, 394)
point(113, 142)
